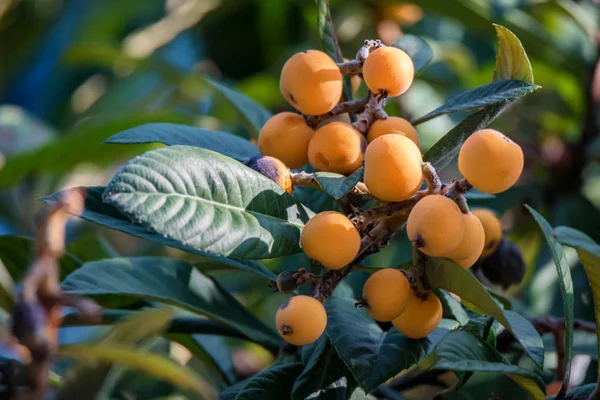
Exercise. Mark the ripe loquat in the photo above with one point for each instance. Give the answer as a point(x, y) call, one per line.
point(420, 317)
point(388, 70)
point(273, 169)
point(391, 125)
point(285, 136)
point(301, 320)
point(470, 248)
point(337, 147)
point(385, 294)
point(492, 228)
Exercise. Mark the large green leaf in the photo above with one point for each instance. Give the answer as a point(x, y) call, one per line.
point(461, 351)
point(483, 96)
point(337, 185)
point(174, 134)
point(565, 282)
point(120, 282)
point(447, 275)
point(274, 383)
point(511, 61)
point(418, 50)
point(589, 255)
point(209, 202)
point(159, 366)
point(362, 344)
point(82, 144)
point(453, 307)
point(107, 215)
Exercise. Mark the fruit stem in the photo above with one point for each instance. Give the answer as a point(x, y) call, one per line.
point(456, 188)
point(434, 184)
point(461, 201)
point(306, 179)
point(372, 112)
point(286, 330)
point(352, 67)
point(352, 106)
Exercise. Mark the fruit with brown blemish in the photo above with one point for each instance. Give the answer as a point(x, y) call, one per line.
point(470, 248)
point(385, 294)
point(331, 239)
point(285, 136)
point(301, 320)
point(392, 125)
point(420, 317)
point(337, 147)
point(273, 169)
point(311, 82)
point(389, 71)
point(492, 228)
point(435, 225)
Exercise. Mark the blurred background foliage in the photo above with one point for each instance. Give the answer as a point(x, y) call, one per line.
point(73, 73)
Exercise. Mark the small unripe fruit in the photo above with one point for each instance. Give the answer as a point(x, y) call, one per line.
point(385, 294)
point(337, 147)
point(436, 225)
point(395, 125)
point(490, 161)
point(492, 228)
point(301, 320)
point(389, 70)
point(285, 136)
point(330, 239)
point(311, 82)
point(470, 248)
point(420, 317)
point(273, 169)
point(393, 168)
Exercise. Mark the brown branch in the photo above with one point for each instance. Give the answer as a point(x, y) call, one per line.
point(347, 107)
point(372, 112)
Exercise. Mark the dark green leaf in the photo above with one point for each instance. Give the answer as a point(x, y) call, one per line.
point(418, 50)
point(447, 275)
point(361, 343)
point(107, 215)
point(174, 134)
point(91, 246)
point(274, 383)
point(337, 185)
point(481, 97)
point(453, 306)
point(511, 61)
point(475, 194)
point(565, 283)
point(210, 202)
point(120, 282)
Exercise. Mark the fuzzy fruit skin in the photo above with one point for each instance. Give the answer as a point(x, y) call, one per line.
point(393, 168)
point(470, 248)
point(420, 317)
point(285, 136)
point(437, 224)
point(273, 169)
point(386, 294)
point(492, 228)
point(311, 82)
point(331, 239)
point(490, 161)
point(337, 147)
point(389, 70)
point(391, 125)
point(301, 320)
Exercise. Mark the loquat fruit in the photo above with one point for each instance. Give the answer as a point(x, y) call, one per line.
point(436, 225)
point(301, 320)
point(470, 248)
point(385, 294)
point(391, 125)
point(492, 228)
point(273, 169)
point(311, 82)
point(490, 161)
point(285, 136)
point(420, 317)
point(388, 70)
point(393, 168)
point(331, 239)
point(337, 147)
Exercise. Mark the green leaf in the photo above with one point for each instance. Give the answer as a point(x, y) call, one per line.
point(511, 59)
point(475, 194)
point(253, 114)
point(481, 97)
point(17, 252)
point(174, 134)
point(91, 246)
point(453, 306)
point(362, 344)
point(337, 185)
point(120, 282)
point(419, 51)
point(153, 364)
point(589, 255)
point(447, 275)
point(461, 351)
point(107, 215)
point(565, 282)
point(210, 202)
point(274, 383)
point(82, 144)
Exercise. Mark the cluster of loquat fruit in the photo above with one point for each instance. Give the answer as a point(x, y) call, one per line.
point(393, 172)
